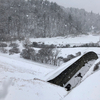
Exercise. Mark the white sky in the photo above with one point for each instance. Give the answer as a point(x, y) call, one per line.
point(88, 5)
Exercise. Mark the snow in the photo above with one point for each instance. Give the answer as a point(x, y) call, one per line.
point(21, 66)
point(66, 51)
point(17, 82)
point(20, 74)
point(68, 40)
point(19, 78)
point(89, 89)
point(34, 90)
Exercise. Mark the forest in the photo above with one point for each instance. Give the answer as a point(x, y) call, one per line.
point(41, 18)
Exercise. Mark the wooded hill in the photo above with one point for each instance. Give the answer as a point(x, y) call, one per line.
point(41, 18)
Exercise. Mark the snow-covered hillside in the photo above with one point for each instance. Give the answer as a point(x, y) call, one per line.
point(19, 78)
point(87, 90)
point(89, 87)
point(17, 82)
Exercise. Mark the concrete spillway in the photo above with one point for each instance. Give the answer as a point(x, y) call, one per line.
point(69, 76)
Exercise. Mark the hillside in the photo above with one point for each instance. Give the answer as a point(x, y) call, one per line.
point(18, 76)
point(38, 41)
point(17, 82)
point(41, 18)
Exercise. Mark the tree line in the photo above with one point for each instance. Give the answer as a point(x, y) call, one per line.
point(41, 18)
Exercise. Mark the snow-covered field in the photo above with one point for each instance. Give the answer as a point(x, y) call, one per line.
point(18, 77)
point(68, 40)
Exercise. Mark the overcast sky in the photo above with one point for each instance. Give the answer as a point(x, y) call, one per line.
point(88, 5)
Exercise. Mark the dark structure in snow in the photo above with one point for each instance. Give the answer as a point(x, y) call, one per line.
point(66, 75)
point(68, 87)
point(79, 75)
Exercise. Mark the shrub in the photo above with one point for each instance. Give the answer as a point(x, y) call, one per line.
point(42, 45)
point(25, 54)
point(67, 45)
point(60, 57)
point(48, 55)
point(45, 54)
point(14, 50)
point(13, 45)
point(26, 43)
point(65, 59)
point(52, 46)
point(69, 57)
point(60, 60)
point(3, 50)
point(3, 44)
point(88, 45)
point(28, 53)
point(96, 67)
point(78, 54)
point(35, 44)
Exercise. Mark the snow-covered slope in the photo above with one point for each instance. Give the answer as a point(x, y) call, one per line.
point(87, 90)
point(17, 75)
point(89, 87)
point(34, 90)
point(17, 80)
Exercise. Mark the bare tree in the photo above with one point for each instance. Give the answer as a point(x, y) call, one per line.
point(55, 55)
